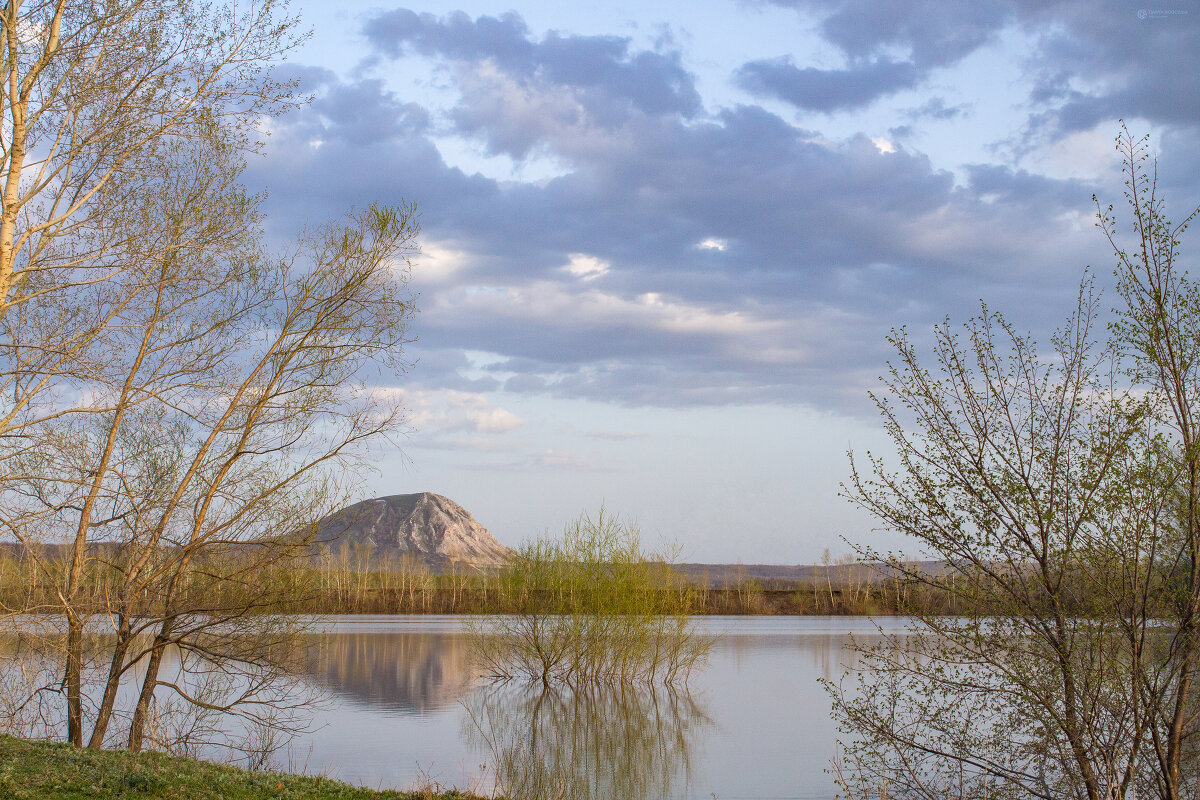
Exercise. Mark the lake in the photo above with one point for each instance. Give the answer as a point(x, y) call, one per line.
point(402, 707)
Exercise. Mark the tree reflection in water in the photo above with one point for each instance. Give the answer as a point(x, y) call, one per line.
point(594, 742)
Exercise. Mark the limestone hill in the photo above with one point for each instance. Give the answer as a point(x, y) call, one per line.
point(426, 526)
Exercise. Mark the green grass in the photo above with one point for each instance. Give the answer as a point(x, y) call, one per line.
point(35, 770)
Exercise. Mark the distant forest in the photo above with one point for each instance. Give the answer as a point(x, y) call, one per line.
point(356, 580)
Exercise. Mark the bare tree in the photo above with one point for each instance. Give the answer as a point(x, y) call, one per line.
point(236, 408)
point(1058, 492)
point(93, 97)
point(97, 101)
point(92, 90)
point(177, 404)
point(1159, 331)
point(262, 476)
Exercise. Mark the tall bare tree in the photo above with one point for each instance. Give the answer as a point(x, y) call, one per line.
point(1159, 331)
point(92, 89)
point(225, 418)
point(176, 401)
point(260, 475)
point(96, 99)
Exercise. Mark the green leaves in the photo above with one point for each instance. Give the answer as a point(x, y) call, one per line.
point(593, 608)
point(1058, 491)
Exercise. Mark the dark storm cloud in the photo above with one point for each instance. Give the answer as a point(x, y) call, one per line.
point(717, 258)
point(826, 89)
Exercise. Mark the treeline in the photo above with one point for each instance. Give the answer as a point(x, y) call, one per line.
point(349, 583)
point(412, 589)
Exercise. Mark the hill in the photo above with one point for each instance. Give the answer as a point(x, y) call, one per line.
point(426, 526)
point(769, 575)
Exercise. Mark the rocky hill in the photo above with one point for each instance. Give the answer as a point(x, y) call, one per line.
point(432, 528)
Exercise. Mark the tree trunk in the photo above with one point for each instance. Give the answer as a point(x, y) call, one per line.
point(137, 728)
point(116, 668)
point(74, 681)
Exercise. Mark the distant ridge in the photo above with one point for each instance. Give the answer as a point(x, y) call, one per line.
point(427, 526)
point(725, 575)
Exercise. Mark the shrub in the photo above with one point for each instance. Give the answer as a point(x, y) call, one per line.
point(594, 608)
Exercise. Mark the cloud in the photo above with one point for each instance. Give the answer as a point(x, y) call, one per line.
point(359, 113)
point(889, 46)
point(679, 256)
point(517, 90)
point(933, 33)
point(1100, 62)
point(678, 262)
point(553, 459)
point(827, 90)
point(883, 144)
point(936, 108)
point(586, 267)
point(435, 414)
point(1090, 61)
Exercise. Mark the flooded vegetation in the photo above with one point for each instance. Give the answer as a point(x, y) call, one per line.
point(396, 704)
point(590, 743)
point(593, 609)
point(404, 706)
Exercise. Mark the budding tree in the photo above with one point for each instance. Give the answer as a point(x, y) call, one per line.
point(1058, 490)
point(93, 96)
point(179, 405)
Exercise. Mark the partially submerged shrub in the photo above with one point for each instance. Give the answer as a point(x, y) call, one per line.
point(587, 743)
point(595, 607)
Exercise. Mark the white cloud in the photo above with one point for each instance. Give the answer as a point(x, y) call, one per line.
point(1086, 155)
point(554, 304)
point(494, 420)
point(883, 145)
point(586, 267)
point(713, 244)
point(446, 411)
point(438, 262)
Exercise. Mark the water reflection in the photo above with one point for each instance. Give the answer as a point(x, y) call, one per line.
point(394, 717)
point(828, 653)
point(412, 673)
point(599, 742)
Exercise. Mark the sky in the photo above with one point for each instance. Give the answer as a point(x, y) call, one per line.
point(664, 243)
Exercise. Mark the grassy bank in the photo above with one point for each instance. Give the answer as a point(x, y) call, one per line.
point(36, 770)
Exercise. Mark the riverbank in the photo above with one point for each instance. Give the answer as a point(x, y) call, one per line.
point(41, 770)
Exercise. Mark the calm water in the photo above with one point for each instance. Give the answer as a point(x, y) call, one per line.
point(403, 707)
